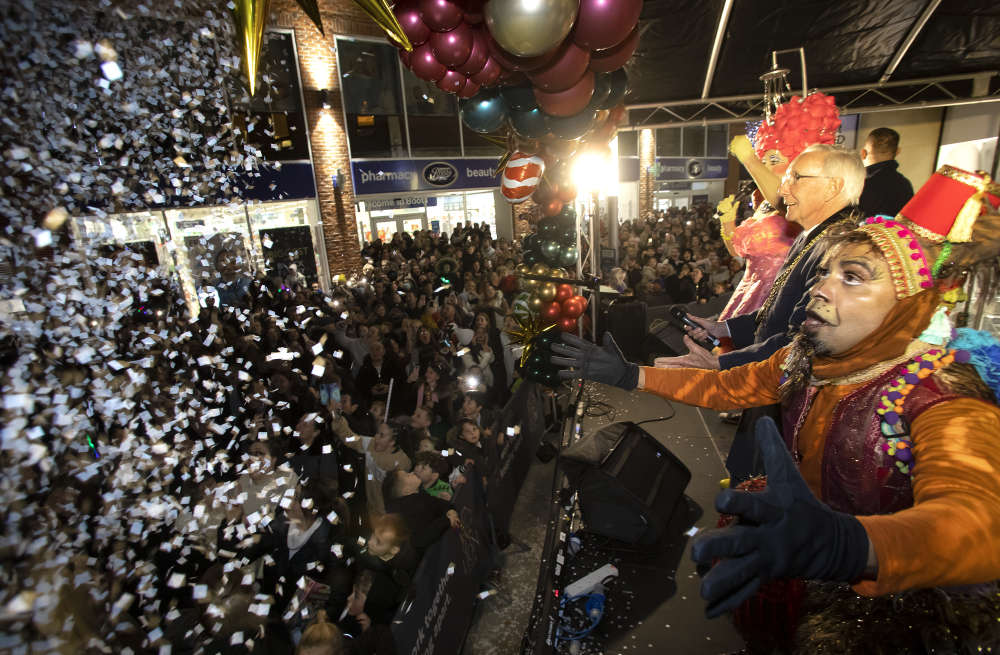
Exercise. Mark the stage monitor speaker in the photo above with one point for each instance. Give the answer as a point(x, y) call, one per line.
point(629, 484)
point(627, 324)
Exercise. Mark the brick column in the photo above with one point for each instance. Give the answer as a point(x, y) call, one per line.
point(647, 157)
point(327, 134)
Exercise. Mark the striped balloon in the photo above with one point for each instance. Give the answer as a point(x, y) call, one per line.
point(521, 176)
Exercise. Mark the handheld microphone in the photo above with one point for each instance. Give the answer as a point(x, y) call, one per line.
point(682, 318)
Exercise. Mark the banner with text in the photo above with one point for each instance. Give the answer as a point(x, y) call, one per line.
point(521, 423)
point(407, 175)
point(435, 617)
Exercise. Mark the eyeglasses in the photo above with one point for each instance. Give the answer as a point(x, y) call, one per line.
point(792, 177)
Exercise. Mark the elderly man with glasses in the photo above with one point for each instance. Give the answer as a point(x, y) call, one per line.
point(820, 189)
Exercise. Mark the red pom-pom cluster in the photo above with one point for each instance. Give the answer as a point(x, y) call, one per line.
point(798, 124)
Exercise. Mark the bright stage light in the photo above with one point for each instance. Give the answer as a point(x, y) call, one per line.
point(594, 171)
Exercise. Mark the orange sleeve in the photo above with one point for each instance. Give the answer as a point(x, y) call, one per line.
point(750, 385)
point(951, 535)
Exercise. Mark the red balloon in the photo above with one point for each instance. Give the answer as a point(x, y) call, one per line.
point(545, 192)
point(551, 312)
point(605, 61)
point(425, 65)
point(605, 23)
point(567, 324)
point(452, 48)
point(405, 57)
point(514, 63)
point(574, 306)
point(552, 207)
point(569, 102)
point(480, 53)
point(470, 89)
point(408, 15)
point(452, 82)
point(487, 76)
point(440, 15)
point(565, 70)
point(563, 292)
point(567, 192)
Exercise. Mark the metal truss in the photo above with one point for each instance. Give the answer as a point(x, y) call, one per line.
point(943, 91)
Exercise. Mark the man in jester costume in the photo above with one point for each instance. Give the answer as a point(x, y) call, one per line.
point(887, 480)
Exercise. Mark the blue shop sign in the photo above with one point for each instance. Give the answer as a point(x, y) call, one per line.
point(381, 176)
point(692, 168)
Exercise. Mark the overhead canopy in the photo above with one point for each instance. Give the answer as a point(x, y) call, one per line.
point(849, 42)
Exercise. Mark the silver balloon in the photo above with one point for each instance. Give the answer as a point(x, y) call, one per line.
point(527, 28)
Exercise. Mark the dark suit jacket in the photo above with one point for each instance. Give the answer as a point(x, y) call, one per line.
point(886, 190)
point(758, 337)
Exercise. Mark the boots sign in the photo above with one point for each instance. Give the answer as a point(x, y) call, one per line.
point(380, 176)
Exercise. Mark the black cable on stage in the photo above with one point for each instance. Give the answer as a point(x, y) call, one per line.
point(673, 413)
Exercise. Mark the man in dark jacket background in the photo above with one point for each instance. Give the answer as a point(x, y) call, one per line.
point(886, 189)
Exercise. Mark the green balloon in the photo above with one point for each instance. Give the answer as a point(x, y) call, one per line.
point(551, 250)
point(569, 256)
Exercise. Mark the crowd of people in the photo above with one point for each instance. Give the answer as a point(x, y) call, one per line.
point(273, 469)
point(675, 256)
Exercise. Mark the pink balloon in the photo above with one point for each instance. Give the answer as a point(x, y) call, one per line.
point(408, 15)
point(565, 70)
point(511, 62)
point(470, 89)
point(480, 53)
point(440, 15)
point(605, 23)
point(569, 102)
point(425, 65)
point(452, 82)
point(487, 76)
point(452, 48)
point(605, 61)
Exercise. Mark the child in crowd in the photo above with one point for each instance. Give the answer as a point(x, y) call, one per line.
point(433, 469)
point(382, 454)
point(426, 517)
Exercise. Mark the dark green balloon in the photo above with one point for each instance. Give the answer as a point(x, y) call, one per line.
point(484, 112)
point(569, 256)
point(568, 236)
point(528, 124)
point(572, 128)
point(520, 97)
point(618, 80)
point(547, 228)
point(531, 257)
point(551, 251)
point(602, 89)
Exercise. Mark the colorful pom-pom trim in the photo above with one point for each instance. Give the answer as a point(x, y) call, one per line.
point(890, 406)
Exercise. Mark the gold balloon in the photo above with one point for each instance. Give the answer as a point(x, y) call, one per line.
point(527, 28)
point(311, 10)
point(249, 16)
point(540, 269)
point(547, 292)
point(380, 12)
point(535, 304)
point(558, 272)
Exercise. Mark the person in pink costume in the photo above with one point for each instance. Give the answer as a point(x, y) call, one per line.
point(764, 239)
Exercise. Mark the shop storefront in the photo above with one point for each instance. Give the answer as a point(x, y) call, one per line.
point(273, 238)
point(406, 195)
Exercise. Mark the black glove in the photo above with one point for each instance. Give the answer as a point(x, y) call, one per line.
point(784, 532)
point(592, 362)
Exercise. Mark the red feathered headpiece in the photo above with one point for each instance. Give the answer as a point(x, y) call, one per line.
point(798, 124)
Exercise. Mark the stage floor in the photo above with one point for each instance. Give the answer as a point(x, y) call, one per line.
point(654, 604)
